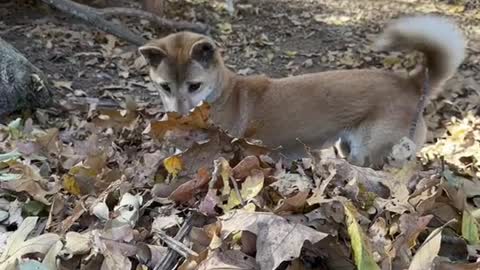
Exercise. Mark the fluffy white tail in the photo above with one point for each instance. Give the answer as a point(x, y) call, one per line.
point(438, 38)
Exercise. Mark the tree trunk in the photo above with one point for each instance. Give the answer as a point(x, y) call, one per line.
point(22, 85)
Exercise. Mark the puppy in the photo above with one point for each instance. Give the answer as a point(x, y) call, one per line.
point(369, 110)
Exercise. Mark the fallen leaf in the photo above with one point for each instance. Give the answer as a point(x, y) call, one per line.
point(469, 228)
point(271, 248)
point(244, 167)
point(252, 185)
point(101, 211)
point(29, 182)
point(63, 84)
point(425, 255)
point(173, 165)
point(162, 223)
point(293, 204)
point(77, 243)
point(361, 249)
point(186, 191)
point(33, 265)
point(18, 245)
point(197, 119)
point(126, 212)
point(208, 204)
point(80, 180)
point(229, 259)
point(50, 260)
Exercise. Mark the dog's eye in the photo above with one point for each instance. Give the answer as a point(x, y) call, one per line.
point(194, 87)
point(166, 87)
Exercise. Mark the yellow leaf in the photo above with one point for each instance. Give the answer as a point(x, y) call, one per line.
point(456, 9)
point(362, 253)
point(225, 28)
point(226, 172)
point(173, 165)
point(291, 53)
point(469, 228)
point(71, 185)
point(250, 207)
point(233, 201)
point(78, 180)
point(252, 185)
point(390, 61)
point(216, 242)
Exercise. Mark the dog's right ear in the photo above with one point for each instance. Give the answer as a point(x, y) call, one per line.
point(152, 54)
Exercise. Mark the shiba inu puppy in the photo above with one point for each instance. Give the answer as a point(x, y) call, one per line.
point(369, 110)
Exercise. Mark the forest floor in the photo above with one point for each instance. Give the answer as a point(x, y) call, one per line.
point(76, 170)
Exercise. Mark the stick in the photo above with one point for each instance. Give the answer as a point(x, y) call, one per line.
point(92, 17)
point(172, 256)
point(161, 22)
point(235, 186)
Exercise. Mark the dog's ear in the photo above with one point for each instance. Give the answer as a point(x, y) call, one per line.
point(152, 54)
point(203, 51)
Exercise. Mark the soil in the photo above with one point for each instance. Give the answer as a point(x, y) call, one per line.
point(278, 38)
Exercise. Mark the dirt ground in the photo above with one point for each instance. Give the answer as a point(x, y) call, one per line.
point(279, 38)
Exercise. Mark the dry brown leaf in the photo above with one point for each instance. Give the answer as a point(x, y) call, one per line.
point(293, 204)
point(208, 204)
point(244, 167)
point(197, 119)
point(186, 191)
point(229, 259)
point(29, 181)
point(271, 250)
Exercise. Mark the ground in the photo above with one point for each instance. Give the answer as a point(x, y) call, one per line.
point(276, 37)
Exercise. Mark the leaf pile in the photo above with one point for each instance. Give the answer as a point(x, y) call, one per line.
point(117, 190)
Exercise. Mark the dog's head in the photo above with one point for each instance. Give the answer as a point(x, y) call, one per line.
point(186, 67)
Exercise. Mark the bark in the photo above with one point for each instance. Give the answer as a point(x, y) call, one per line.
point(98, 19)
point(159, 21)
point(90, 16)
point(22, 85)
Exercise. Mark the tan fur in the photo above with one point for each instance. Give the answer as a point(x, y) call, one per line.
point(369, 110)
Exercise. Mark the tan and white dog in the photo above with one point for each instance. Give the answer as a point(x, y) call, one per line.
point(369, 110)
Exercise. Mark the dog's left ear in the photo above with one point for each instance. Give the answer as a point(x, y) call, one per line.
point(203, 51)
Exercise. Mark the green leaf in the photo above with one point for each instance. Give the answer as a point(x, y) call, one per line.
point(14, 128)
point(33, 208)
point(9, 156)
point(469, 228)
point(6, 177)
point(361, 252)
point(32, 265)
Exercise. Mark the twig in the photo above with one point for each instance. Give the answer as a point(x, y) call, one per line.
point(172, 256)
point(176, 245)
point(91, 16)
point(161, 22)
point(235, 186)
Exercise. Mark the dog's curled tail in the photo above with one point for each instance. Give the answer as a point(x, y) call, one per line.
point(439, 39)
